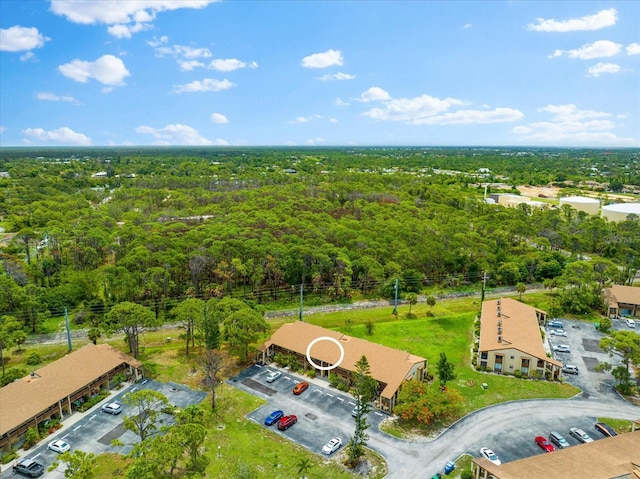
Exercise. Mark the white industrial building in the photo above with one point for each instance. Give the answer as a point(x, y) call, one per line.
point(582, 203)
point(621, 211)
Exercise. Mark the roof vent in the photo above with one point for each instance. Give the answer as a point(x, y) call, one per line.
point(500, 330)
point(499, 339)
point(499, 322)
point(498, 302)
point(499, 314)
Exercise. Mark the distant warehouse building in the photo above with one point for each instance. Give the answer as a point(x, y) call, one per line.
point(582, 203)
point(621, 212)
point(51, 391)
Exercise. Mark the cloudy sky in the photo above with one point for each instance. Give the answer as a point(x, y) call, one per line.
point(241, 72)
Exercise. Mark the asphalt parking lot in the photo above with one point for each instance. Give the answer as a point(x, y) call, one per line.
point(583, 340)
point(323, 412)
point(93, 430)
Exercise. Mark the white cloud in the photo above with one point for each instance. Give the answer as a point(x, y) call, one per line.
point(221, 142)
point(124, 17)
point(302, 119)
point(25, 57)
point(323, 60)
point(569, 125)
point(467, 25)
point(602, 19)
point(571, 113)
point(598, 49)
point(230, 64)
point(64, 136)
point(307, 119)
point(175, 134)
point(107, 69)
point(337, 76)
point(374, 94)
point(3, 129)
point(467, 117)
point(189, 65)
point(47, 96)
point(126, 31)
point(219, 118)
point(599, 68)
point(413, 110)
point(18, 38)
point(207, 84)
point(341, 102)
point(333, 120)
point(633, 48)
point(314, 141)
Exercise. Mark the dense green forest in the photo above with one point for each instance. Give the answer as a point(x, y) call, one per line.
point(87, 229)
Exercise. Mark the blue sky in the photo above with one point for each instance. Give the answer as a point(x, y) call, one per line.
point(323, 73)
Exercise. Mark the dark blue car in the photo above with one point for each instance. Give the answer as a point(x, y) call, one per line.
point(273, 418)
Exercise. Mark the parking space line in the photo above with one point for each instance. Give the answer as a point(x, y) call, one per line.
point(65, 435)
point(287, 378)
point(134, 388)
point(92, 417)
point(317, 390)
point(352, 403)
point(377, 413)
point(340, 399)
point(329, 394)
point(36, 455)
point(145, 381)
point(258, 366)
point(75, 429)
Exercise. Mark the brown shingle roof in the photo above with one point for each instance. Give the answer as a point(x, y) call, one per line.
point(520, 329)
point(602, 459)
point(25, 398)
point(388, 365)
point(624, 294)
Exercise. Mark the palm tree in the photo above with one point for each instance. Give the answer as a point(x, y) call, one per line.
point(303, 467)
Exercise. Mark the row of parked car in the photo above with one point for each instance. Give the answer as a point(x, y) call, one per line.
point(556, 440)
point(284, 422)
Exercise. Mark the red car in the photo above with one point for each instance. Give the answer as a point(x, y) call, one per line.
point(544, 444)
point(300, 387)
point(287, 421)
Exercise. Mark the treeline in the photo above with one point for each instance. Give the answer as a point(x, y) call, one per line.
point(259, 224)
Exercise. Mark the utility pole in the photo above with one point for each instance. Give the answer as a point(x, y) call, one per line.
point(395, 304)
point(66, 321)
point(484, 284)
point(301, 289)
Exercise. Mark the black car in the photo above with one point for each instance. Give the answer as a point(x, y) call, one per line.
point(605, 429)
point(28, 467)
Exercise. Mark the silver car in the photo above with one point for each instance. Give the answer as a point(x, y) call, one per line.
point(580, 435)
point(273, 376)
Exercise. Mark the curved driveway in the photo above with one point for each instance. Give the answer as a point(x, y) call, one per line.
point(422, 459)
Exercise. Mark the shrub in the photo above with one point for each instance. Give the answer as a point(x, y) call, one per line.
point(311, 373)
point(11, 375)
point(33, 359)
point(466, 474)
point(517, 373)
point(8, 457)
point(31, 438)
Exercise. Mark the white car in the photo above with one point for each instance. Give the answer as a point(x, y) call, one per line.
point(112, 408)
point(59, 446)
point(489, 454)
point(630, 322)
point(332, 446)
point(559, 332)
point(273, 376)
point(562, 348)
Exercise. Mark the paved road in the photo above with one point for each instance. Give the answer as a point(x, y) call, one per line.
point(422, 459)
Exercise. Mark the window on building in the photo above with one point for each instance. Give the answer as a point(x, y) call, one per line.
point(483, 364)
point(524, 367)
point(484, 355)
point(540, 363)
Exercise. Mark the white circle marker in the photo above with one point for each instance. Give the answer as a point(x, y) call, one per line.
point(325, 368)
